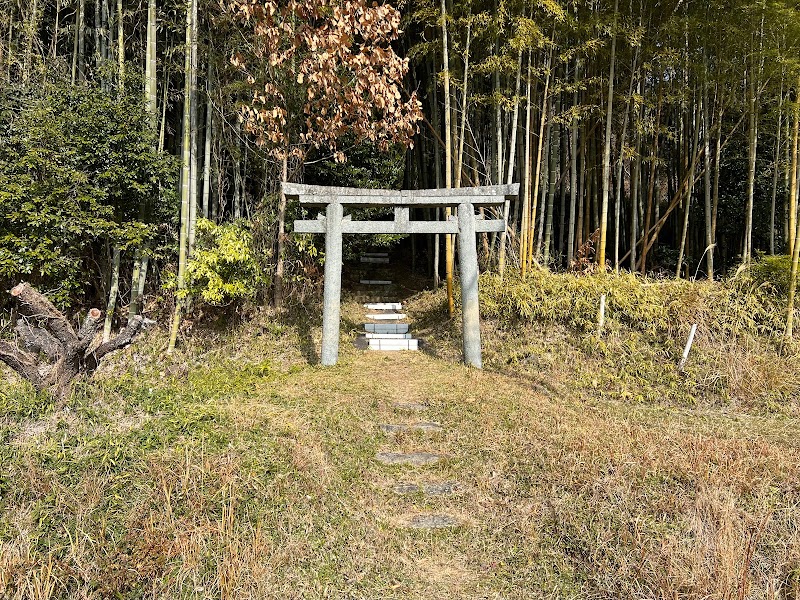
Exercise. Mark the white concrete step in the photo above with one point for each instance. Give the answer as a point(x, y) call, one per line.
point(375, 260)
point(386, 316)
point(390, 345)
point(386, 327)
point(375, 282)
point(388, 336)
point(384, 306)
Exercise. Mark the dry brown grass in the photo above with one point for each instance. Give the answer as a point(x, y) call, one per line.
point(253, 476)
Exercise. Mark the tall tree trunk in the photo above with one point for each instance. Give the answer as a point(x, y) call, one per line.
point(524, 231)
point(96, 30)
point(193, 124)
point(180, 300)
point(56, 31)
point(448, 150)
point(601, 252)
point(279, 267)
point(573, 170)
point(207, 149)
point(120, 47)
point(580, 230)
point(554, 144)
point(752, 141)
point(651, 182)
point(540, 147)
point(32, 27)
point(112, 295)
point(689, 192)
point(150, 72)
point(512, 161)
point(709, 251)
point(620, 164)
point(636, 178)
point(562, 202)
point(78, 47)
point(464, 90)
point(438, 175)
point(793, 174)
point(775, 172)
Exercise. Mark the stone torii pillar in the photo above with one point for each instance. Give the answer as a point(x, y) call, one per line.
point(334, 224)
point(332, 292)
point(468, 269)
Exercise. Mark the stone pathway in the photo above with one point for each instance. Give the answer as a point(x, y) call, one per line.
point(425, 489)
point(386, 328)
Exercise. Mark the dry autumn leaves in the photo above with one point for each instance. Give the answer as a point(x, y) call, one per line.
point(321, 70)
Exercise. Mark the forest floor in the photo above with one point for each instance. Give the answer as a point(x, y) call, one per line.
point(237, 468)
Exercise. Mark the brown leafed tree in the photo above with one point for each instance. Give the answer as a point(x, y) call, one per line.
point(50, 353)
point(323, 71)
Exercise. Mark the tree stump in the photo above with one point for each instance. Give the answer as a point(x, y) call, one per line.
point(51, 353)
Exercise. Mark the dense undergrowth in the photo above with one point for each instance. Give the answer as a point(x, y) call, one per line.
point(548, 324)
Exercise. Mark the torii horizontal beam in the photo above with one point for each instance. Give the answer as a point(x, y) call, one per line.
point(400, 224)
point(320, 195)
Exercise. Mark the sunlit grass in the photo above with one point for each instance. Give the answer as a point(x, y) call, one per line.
point(239, 469)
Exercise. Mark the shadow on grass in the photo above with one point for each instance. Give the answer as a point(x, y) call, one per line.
point(303, 318)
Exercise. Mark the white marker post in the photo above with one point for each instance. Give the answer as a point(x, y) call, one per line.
point(601, 316)
point(687, 348)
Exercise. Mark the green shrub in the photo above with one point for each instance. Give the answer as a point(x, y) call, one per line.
point(223, 268)
point(79, 167)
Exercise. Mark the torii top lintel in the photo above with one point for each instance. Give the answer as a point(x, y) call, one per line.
point(320, 195)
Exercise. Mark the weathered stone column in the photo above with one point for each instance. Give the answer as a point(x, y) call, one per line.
point(468, 263)
point(333, 284)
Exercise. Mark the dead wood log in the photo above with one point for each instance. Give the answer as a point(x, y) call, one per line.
point(52, 353)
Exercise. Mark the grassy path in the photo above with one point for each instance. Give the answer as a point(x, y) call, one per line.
point(241, 480)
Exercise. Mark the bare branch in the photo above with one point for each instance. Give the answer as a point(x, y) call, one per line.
point(22, 362)
point(124, 338)
point(88, 331)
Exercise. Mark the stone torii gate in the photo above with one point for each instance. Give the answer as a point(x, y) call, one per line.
point(333, 223)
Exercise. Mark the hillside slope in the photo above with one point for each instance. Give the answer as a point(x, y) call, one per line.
point(239, 470)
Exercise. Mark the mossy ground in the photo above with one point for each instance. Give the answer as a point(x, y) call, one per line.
point(237, 468)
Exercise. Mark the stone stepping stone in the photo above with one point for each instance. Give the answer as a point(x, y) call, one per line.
point(410, 406)
point(386, 327)
point(384, 306)
point(416, 459)
point(375, 282)
point(444, 488)
point(393, 345)
point(424, 426)
point(437, 521)
point(376, 254)
point(386, 316)
point(375, 259)
point(388, 336)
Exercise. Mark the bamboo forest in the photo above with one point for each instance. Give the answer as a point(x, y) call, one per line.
point(399, 299)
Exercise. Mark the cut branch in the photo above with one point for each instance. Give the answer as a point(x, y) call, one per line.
point(48, 332)
point(37, 306)
point(23, 363)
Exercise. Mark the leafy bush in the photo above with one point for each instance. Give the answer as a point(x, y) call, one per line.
point(78, 168)
point(773, 272)
point(223, 268)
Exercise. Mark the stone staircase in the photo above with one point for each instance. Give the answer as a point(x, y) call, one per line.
point(386, 328)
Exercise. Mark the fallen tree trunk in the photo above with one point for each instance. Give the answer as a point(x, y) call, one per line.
point(51, 353)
